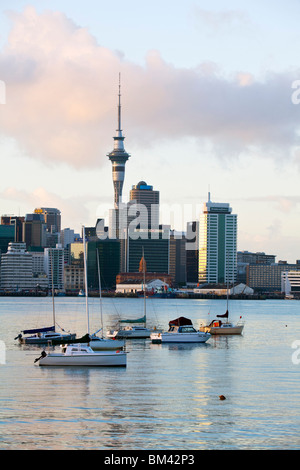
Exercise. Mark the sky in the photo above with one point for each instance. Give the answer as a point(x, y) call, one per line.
point(209, 104)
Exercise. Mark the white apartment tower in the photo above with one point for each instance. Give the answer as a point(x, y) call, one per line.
point(54, 266)
point(217, 244)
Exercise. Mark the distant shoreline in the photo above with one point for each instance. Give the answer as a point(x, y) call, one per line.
point(173, 295)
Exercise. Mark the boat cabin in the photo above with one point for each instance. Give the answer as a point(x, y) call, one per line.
point(75, 349)
point(182, 329)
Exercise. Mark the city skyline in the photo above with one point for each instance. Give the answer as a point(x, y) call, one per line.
point(197, 117)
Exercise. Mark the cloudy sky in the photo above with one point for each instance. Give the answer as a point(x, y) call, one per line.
point(207, 105)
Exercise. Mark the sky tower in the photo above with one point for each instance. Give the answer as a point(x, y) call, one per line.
point(118, 157)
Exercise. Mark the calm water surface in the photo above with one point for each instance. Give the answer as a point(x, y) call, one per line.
point(168, 395)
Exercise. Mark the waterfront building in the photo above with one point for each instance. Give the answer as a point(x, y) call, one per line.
point(244, 258)
point(19, 270)
point(133, 282)
point(137, 286)
point(221, 290)
point(217, 244)
point(290, 283)
point(267, 278)
point(73, 278)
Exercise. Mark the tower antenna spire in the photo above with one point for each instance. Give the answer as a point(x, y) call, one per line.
point(119, 106)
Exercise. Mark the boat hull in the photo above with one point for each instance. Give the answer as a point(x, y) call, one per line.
point(141, 333)
point(106, 344)
point(105, 359)
point(219, 330)
point(46, 339)
point(198, 337)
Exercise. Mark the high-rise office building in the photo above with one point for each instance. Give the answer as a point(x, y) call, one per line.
point(7, 235)
point(52, 218)
point(118, 157)
point(147, 200)
point(156, 247)
point(16, 222)
point(34, 230)
point(192, 252)
point(217, 244)
point(177, 258)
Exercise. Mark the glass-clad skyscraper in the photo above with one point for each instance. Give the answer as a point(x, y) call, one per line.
point(217, 244)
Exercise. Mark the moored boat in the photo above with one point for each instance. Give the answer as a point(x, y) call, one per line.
point(44, 336)
point(181, 330)
point(82, 355)
point(134, 331)
point(219, 327)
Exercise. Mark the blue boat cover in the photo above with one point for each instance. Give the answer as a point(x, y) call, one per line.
point(138, 320)
point(39, 330)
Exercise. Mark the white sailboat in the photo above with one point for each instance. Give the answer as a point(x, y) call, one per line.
point(81, 354)
point(134, 331)
point(99, 343)
point(221, 327)
point(46, 335)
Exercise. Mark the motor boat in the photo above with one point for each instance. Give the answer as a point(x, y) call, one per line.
point(81, 355)
point(181, 330)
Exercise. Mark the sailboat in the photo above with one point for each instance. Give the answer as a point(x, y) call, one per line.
point(135, 331)
point(99, 343)
point(81, 354)
point(46, 334)
point(220, 327)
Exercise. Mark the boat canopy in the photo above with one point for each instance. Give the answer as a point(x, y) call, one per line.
point(38, 330)
point(180, 321)
point(138, 320)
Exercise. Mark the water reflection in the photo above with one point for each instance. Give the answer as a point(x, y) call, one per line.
point(168, 395)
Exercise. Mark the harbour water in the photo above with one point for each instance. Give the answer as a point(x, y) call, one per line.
point(167, 398)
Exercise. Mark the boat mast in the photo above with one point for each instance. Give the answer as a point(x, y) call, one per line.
point(100, 291)
point(227, 276)
point(53, 304)
point(144, 272)
point(85, 279)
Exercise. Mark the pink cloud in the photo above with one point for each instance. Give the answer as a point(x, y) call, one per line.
point(61, 103)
